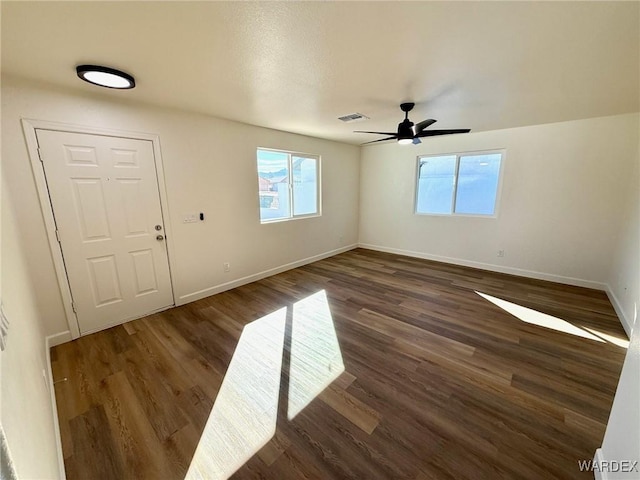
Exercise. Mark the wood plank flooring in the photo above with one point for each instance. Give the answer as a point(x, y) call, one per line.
point(430, 379)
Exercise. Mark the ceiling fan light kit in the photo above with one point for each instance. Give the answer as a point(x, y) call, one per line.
point(105, 77)
point(409, 133)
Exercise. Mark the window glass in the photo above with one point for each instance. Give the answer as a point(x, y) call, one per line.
point(435, 184)
point(460, 184)
point(305, 185)
point(288, 185)
point(478, 177)
point(273, 185)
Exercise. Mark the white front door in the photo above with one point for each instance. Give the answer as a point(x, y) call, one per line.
point(106, 204)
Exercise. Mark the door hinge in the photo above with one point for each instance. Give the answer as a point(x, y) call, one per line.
point(58, 236)
point(73, 307)
point(40, 154)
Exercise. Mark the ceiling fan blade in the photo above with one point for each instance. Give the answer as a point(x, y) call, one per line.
point(416, 140)
point(433, 133)
point(381, 140)
point(423, 124)
point(378, 133)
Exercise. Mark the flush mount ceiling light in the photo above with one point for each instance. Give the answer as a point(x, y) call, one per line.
point(105, 76)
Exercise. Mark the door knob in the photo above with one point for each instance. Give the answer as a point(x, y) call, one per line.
point(158, 227)
point(159, 238)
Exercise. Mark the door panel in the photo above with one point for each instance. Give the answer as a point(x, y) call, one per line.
point(91, 209)
point(132, 205)
point(106, 203)
point(124, 158)
point(104, 279)
point(77, 155)
point(145, 272)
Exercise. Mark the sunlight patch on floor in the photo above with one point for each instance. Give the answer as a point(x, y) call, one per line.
point(621, 342)
point(316, 360)
point(535, 317)
point(245, 413)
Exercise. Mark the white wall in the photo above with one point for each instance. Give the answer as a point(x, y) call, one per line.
point(26, 414)
point(559, 213)
point(624, 275)
point(622, 437)
point(210, 167)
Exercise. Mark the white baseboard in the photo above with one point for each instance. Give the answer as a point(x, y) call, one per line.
point(207, 292)
point(491, 267)
point(58, 339)
point(626, 323)
point(52, 341)
point(598, 458)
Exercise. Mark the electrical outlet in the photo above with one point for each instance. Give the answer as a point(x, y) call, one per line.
point(226, 267)
point(501, 253)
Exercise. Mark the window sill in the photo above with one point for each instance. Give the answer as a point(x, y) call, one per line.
point(289, 219)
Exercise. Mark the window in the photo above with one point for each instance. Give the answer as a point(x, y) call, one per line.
point(458, 184)
point(288, 185)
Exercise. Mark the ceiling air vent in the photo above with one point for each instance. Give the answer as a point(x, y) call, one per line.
point(353, 117)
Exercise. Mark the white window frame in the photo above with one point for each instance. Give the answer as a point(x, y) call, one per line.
point(291, 154)
point(420, 158)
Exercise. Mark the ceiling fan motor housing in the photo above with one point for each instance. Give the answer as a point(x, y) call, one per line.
point(408, 132)
point(405, 129)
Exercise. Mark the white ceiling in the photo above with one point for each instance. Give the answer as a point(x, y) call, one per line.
point(297, 66)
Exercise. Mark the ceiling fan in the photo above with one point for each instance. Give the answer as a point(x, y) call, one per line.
point(410, 133)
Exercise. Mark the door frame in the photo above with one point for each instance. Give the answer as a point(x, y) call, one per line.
point(29, 127)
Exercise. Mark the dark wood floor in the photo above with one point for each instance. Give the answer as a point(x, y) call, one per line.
point(439, 382)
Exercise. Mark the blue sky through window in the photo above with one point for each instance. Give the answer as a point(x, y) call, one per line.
point(458, 184)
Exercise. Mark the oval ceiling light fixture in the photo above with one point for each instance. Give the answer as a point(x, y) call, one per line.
point(105, 77)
